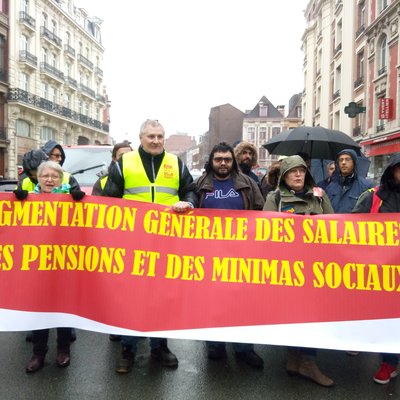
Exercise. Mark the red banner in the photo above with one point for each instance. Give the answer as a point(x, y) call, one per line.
point(144, 268)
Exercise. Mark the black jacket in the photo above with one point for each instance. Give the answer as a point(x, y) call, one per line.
point(115, 185)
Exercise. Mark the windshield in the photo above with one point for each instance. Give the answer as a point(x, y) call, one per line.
point(87, 162)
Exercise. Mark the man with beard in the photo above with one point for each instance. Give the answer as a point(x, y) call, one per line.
point(223, 186)
point(247, 158)
point(384, 198)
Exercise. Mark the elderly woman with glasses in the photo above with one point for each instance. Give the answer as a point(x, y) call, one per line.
point(50, 177)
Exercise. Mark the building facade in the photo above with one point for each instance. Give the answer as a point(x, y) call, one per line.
point(265, 121)
point(55, 80)
point(351, 55)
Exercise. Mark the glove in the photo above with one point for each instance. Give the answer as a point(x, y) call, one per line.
point(78, 195)
point(21, 194)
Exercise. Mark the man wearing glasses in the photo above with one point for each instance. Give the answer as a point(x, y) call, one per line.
point(224, 186)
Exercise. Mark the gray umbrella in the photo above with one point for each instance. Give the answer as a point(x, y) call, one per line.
point(316, 141)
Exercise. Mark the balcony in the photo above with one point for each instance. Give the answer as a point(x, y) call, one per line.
point(86, 90)
point(50, 36)
point(99, 71)
point(338, 49)
point(27, 20)
point(360, 30)
point(380, 127)
point(52, 71)
point(28, 58)
point(86, 62)
point(100, 98)
point(20, 95)
point(70, 82)
point(358, 82)
point(336, 95)
point(382, 70)
point(69, 51)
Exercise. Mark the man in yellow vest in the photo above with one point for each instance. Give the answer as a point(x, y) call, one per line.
point(150, 174)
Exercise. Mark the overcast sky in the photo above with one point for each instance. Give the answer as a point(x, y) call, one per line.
point(174, 60)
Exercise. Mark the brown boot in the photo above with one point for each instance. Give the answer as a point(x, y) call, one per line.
point(309, 369)
point(293, 361)
point(35, 363)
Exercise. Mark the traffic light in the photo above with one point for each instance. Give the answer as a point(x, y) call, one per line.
point(353, 109)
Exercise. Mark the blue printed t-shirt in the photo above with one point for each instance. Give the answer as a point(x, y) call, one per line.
point(224, 196)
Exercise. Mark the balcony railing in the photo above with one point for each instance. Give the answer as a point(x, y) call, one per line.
point(360, 30)
point(45, 67)
point(358, 82)
point(380, 127)
point(71, 82)
point(85, 61)
point(27, 19)
point(15, 94)
point(28, 57)
point(100, 98)
point(382, 70)
point(87, 90)
point(99, 71)
point(336, 95)
point(69, 50)
point(338, 48)
point(47, 33)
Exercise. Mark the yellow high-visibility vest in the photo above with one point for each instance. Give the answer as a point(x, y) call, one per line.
point(138, 186)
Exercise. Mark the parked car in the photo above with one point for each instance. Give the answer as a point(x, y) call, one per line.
point(8, 185)
point(85, 162)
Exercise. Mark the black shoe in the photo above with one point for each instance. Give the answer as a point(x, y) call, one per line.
point(250, 358)
point(164, 355)
point(216, 352)
point(125, 362)
point(115, 338)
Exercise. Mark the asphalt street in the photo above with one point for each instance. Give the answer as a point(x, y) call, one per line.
point(92, 375)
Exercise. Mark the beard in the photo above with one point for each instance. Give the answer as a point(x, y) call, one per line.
point(221, 173)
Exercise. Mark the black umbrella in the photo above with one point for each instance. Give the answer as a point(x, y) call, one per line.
point(316, 141)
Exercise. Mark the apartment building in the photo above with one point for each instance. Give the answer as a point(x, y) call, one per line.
point(351, 54)
point(265, 121)
point(55, 79)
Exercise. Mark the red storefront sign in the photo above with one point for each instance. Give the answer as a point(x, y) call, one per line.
point(385, 108)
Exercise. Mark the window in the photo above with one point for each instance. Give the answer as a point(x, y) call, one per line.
point(54, 27)
point(339, 34)
point(25, 6)
point(53, 60)
point(338, 79)
point(44, 20)
point(47, 133)
point(22, 128)
point(361, 15)
point(360, 64)
point(43, 55)
point(382, 4)
point(2, 54)
point(263, 133)
point(53, 94)
point(23, 43)
point(382, 56)
point(24, 81)
point(43, 90)
point(68, 38)
point(250, 133)
point(67, 100)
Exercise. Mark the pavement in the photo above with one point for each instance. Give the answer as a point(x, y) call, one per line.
point(92, 375)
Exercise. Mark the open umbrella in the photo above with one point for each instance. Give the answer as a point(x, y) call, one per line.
point(316, 141)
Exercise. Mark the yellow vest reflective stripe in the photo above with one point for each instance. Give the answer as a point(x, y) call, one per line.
point(138, 187)
point(103, 182)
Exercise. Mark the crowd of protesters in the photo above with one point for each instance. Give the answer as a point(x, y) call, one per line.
point(287, 186)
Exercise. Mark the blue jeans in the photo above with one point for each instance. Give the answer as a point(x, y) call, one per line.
point(132, 341)
point(237, 347)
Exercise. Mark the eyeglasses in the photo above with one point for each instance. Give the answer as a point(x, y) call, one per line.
point(226, 160)
point(56, 155)
point(50, 177)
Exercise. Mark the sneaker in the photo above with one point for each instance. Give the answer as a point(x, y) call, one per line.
point(385, 373)
point(125, 363)
point(216, 352)
point(164, 355)
point(250, 358)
